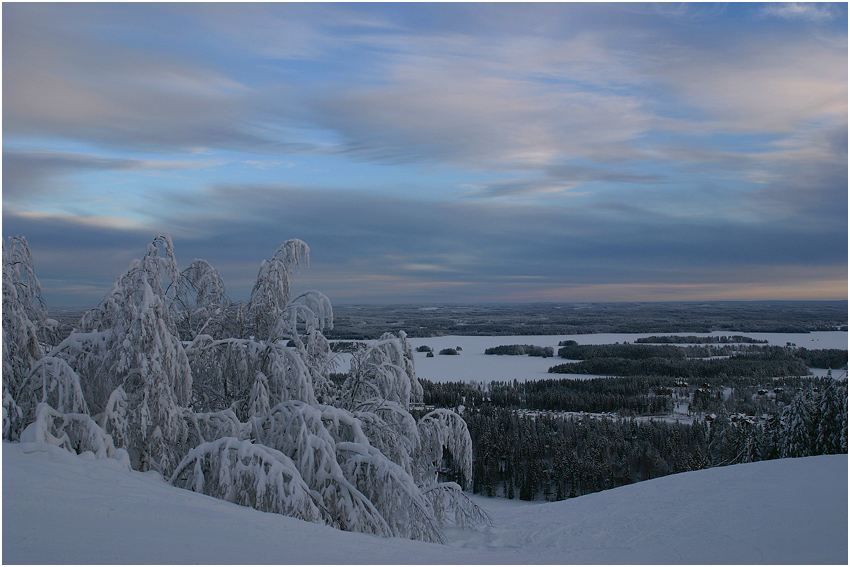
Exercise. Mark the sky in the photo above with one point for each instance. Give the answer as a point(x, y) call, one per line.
point(435, 152)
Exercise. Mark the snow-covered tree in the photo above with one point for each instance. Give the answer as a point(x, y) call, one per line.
point(798, 426)
point(23, 310)
point(53, 382)
point(225, 374)
point(297, 430)
point(302, 324)
point(391, 490)
point(831, 423)
point(392, 430)
point(247, 474)
point(252, 418)
point(210, 426)
point(202, 302)
point(18, 268)
point(272, 289)
point(128, 357)
point(451, 505)
point(444, 434)
point(76, 432)
point(382, 371)
point(380, 387)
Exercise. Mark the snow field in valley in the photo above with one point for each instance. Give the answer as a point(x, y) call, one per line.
point(62, 508)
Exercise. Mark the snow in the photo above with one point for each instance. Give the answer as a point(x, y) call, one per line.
point(473, 365)
point(62, 508)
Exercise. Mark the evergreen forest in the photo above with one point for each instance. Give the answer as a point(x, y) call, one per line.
point(669, 409)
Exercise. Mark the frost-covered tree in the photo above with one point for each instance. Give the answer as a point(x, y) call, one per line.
point(444, 434)
point(271, 293)
point(282, 353)
point(382, 372)
point(380, 387)
point(302, 324)
point(202, 302)
point(18, 268)
point(75, 432)
point(133, 368)
point(392, 491)
point(247, 474)
point(298, 430)
point(451, 505)
point(251, 418)
point(23, 309)
point(53, 382)
point(226, 375)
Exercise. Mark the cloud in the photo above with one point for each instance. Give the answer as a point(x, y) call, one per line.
point(810, 11)
point(774, 86)
point(431, 97)
point(586, 145)
point(370, 246)
point(558, 84)
point(680, 11)
point(561, 181)
point(35, 173)
point(64, 77)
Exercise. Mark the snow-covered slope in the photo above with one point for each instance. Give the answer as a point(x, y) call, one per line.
point(63, 508)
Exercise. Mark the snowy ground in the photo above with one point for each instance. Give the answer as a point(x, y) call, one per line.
point(63, 508)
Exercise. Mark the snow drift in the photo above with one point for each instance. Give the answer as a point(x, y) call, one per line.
point(63, 508)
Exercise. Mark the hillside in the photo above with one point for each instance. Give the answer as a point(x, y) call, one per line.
point(63, 508)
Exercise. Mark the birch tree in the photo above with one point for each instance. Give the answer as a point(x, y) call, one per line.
point(251, 418)
point(129, 358)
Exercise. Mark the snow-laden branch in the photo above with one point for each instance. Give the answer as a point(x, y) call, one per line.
point(392, 490)
point(383, 370)
point(202, 301)
point(225, 373)
point(54, 382)
point(441, 429)
point(391, 429)
point(296, 429)
point(75, 432)
point(450, 504)
point(211, 426)
point(271, 291)
point(249, 475)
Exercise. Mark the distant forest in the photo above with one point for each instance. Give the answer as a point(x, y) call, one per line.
point(521, 350)
point(693, 362)
point(550, 457)
point(693, 339)
point(526, 453)
point(559, 438)
point(353, 322)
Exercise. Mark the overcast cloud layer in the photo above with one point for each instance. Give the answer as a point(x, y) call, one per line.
point(435, 152)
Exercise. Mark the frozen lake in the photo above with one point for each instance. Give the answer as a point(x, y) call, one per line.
point(472, 365)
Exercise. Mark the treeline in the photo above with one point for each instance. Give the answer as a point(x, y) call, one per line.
point(369, 322)
point(552, 458)
point(692, 339)
point(574, 351)
point(519, 350)
point(823, 358)
point(771, 362)
point(626, 395)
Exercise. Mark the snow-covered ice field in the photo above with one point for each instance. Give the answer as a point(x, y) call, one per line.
point(473, 365)
point(62, 508)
